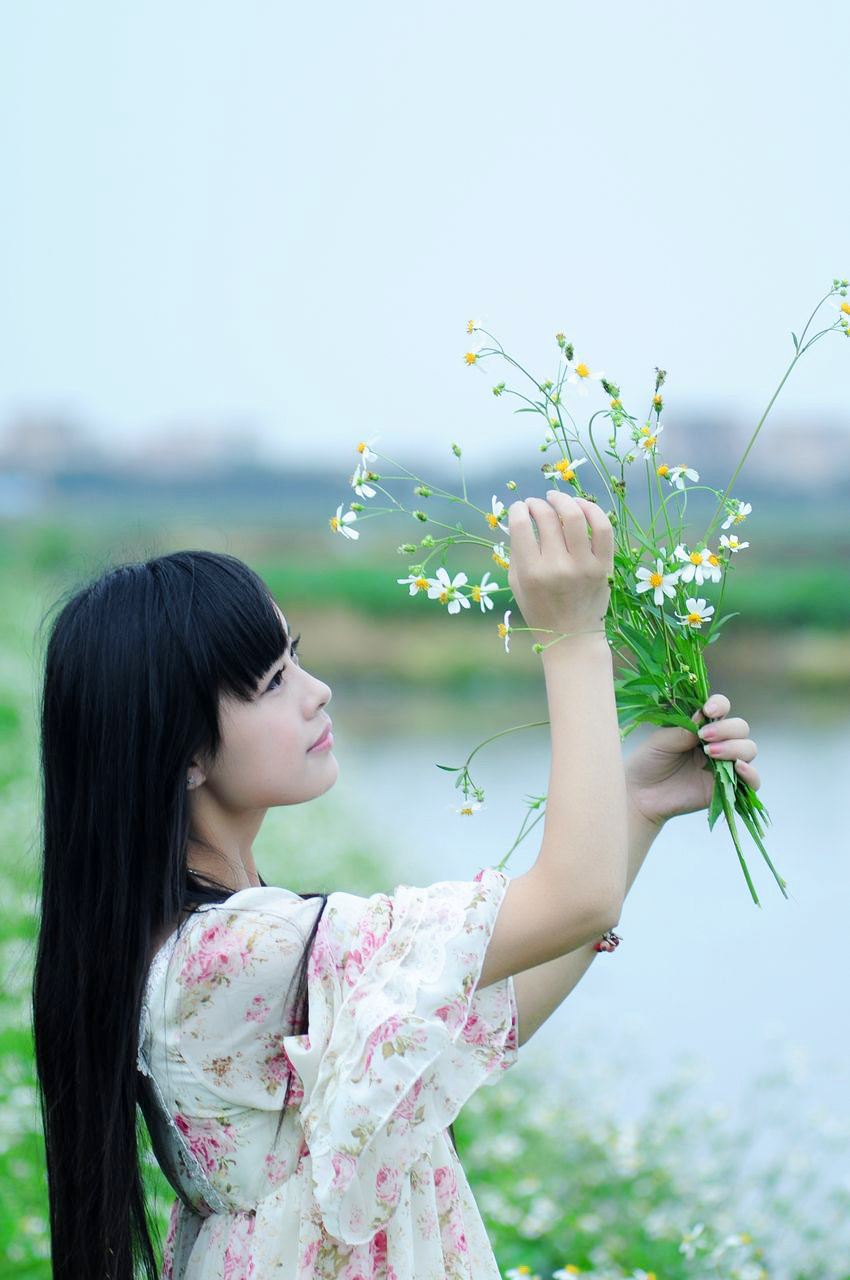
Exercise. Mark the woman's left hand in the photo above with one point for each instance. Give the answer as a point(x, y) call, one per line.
point(669, 773)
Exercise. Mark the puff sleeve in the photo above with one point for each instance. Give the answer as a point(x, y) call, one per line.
point(399, 1038)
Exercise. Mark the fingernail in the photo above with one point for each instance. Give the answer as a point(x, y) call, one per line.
point(711, 706)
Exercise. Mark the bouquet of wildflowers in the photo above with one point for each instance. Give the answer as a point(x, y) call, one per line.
point(661, 617)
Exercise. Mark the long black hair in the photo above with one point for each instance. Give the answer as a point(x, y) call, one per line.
point(135, 664)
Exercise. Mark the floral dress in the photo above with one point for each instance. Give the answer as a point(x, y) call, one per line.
point(363, 1180)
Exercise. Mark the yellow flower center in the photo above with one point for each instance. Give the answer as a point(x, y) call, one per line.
point(422, 584)
point(656, 399)
point(663, 469)
point(470, 357)
point(334, 523)
point(845, 307)
point(738, 518)
point(503, 631)
point(572, 1268)
point(647, 442)
point(694, 619)
point(476, 594)
point(444, 595)
point(565, 469)
point(361, 447)
point(656, 579)
point(582, 370)
point(712, 559)
point(470, 326)
point(504, 563)
point(695, 557)
point(491, 519)
point(645, 431)
point(467, 811)
point(616, 404)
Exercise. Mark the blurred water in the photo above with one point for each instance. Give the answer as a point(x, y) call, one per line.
point(703, 975)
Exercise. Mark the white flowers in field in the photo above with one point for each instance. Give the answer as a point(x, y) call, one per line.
point(699, 565)
point(663, 581)
point(660, 583)
point(736, 517)
point(579, 375)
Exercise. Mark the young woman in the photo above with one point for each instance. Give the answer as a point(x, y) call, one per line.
point(299, 1058)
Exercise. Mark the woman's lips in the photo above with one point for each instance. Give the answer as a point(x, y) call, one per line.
point(325, 740)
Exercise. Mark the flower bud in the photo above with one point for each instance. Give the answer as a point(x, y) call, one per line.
point(538, 648)
point(420, 515)
point(510, 484)
point(427, 541)
point(560, 339)
point(423, 491)
point(660, 375)
point(497, 390)
point(406, 549)
point(456, 450)
point(569, 351)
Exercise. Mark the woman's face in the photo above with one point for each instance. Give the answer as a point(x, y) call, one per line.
point(265, 759)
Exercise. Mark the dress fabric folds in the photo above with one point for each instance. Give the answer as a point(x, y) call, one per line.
point(363, 1180)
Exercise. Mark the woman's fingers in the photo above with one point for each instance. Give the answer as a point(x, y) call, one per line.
point(749, 773)
point(734, 727)
point(732, 749)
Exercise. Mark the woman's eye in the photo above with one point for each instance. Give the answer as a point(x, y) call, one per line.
point(272, 684)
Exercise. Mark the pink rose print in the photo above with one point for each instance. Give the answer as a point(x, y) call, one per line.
point(167, 1272)
point(238, 1263)
point(275, 1169)
point(378, 1251)
point(276, 1065)
point(308, 1258)
point(257, 1010)
point(475, 1031)
point(344, 1169)
point(453, 1014)
point(209, 1141)
point(216, 958)
point(387, 1186)
point(445, 1188)
point(384, 1031)
point(405, 1113)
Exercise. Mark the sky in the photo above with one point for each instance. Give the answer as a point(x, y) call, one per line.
point(278, 218)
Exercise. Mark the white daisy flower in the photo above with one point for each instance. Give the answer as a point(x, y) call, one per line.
point(580, 375)
point(338, 523)
point(674, 475)
point(843, 309)
point(358, 482)
point(647, 438)
point(505, 630)
point(563, 469)
point(417, 583)
point(501, 556)
point(496, 513)
point(697, 613)
point(744, 509)
point(471, 356)
point(481, 592)
point(732, 544)
point(366, 454)
point(660, 583)
point(468, 809)
point(445, 590)
point(699, 565)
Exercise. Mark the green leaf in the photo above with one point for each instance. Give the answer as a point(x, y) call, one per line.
point(796, 343)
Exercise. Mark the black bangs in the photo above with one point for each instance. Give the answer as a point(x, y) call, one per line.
point(228, 621)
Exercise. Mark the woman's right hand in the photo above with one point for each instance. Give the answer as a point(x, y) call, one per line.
point(560, 585)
